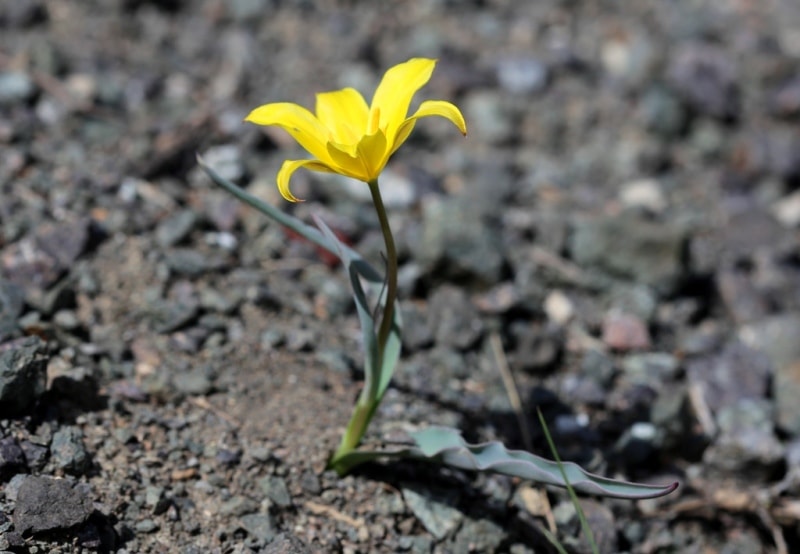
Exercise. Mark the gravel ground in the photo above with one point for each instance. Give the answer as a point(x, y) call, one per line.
point(619, 229)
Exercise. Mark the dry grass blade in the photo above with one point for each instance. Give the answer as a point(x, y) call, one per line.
point(511, 389)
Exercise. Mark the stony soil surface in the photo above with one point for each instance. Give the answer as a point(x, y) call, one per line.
point(619, 230)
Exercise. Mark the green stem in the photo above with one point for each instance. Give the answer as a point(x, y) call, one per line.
point(391, 269)
point(356, 428)
point(369, 399)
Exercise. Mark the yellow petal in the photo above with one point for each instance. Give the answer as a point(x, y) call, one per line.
point(347, 161)
point(372, 150)
point(443, 109)
point(364, 161)
point(290, 166)
point(300, 123)
point(394, 93)
point(374, 123)
point(426, 109)
point(402, 134)
point(344, 112)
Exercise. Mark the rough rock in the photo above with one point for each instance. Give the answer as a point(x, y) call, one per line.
point(707, 78)
point(15, 87)
point(735, 373)
point(777, 337)
point(625, 332)
point(481, 535)
point(647, 252)
point(454, 320)
point(23, 374)
point(68, 451)
point(45, 504)
point(747, 445)
point(457, 243)
point(434, 509)
point(12, 458)
point(286, 544)
point(12, 302)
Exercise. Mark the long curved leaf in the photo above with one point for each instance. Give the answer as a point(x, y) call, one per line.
point(378, 372)
point(446, 446)
point(296, 225)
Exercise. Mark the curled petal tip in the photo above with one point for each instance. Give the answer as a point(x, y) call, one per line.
point(249, 117)
point(443, 109)
point(290, 166)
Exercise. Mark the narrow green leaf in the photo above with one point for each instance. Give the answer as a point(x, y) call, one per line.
point(587, 530)
point(391, 352)
point(553, 540)
point(378, 372)
point(303, 229)
point(371, 369)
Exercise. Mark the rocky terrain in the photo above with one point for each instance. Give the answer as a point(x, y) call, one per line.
point(619, 231)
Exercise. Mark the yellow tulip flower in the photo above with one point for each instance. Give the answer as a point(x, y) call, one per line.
point(348, 137)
